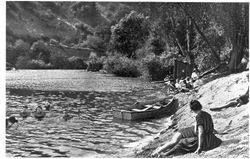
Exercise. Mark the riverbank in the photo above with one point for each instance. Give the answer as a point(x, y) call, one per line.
point(234, 122)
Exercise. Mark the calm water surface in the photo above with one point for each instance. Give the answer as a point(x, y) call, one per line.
point(93, 132)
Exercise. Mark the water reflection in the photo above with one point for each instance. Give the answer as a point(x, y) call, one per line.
point(92, 131)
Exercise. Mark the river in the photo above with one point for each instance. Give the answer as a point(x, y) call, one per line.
point(93, 132)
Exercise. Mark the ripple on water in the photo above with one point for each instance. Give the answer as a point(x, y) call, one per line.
point(92, 133)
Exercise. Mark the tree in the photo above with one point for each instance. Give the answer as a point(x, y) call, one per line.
point(20, 48)
point(234, 17)
point(186, 9)
point(39, 50)
point(130, 34)
point(103, 31)
point(59, 61)
point(22, 62)
point(239, 15)
point(156, 42)
point(76, 63)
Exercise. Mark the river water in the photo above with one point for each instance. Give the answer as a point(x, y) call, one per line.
point(92, 132)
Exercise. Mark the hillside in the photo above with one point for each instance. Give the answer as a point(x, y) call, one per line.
point(56, 19)
point(44, 18)
point(233, 122)
point(64, 23)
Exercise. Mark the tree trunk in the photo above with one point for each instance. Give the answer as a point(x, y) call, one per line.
point(235, 58)
point(238, 38)
point(189, 53)
point(217, 58)
point(176, 39)
point(236, 55)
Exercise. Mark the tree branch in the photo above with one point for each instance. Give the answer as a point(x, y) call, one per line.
point(202, 35)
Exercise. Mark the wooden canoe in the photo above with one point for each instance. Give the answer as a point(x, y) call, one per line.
point(147, 111)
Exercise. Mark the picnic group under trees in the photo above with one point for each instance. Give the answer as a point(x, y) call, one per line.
point(181, 84)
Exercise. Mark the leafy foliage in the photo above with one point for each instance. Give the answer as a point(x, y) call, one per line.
point(153, 68)
point(95, 63)
point(59, 61)
point(156, 42)
point(103, 31)
point(38, 64)
point(130, 34)
point(20, 48)
point(39, 50)
point(122, 66)
point(22, 62)
point(76, 63)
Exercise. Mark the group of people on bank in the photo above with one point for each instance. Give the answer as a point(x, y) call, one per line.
point(181, 84)
point(201, 136)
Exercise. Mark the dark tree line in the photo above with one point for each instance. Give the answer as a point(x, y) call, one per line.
point(205, 35)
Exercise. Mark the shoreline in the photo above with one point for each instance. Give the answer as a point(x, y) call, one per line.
point(236, 119)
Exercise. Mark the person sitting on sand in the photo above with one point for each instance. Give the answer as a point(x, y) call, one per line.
point(196, 138)
point(39, 113)
point(167, 78)
point(170, 82)
point(177, 84)
point(189, 83)
point(10, 121)
point(194, 75)
point(241, 100)
point(171, 85)
point(25, 113)
point(183, 84)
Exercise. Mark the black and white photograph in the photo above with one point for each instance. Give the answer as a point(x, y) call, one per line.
point(126, 79)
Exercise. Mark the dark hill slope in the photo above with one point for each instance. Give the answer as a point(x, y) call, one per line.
point(47, 19)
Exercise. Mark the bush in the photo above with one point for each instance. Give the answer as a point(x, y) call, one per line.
point(20, 48)
point(153, 68)
point(11, 55)
point(59, 61)
point(143, 51)
point(95, 63)
point(38, 64)
point(122, 66)
point(77, 63)
point(22, 62)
